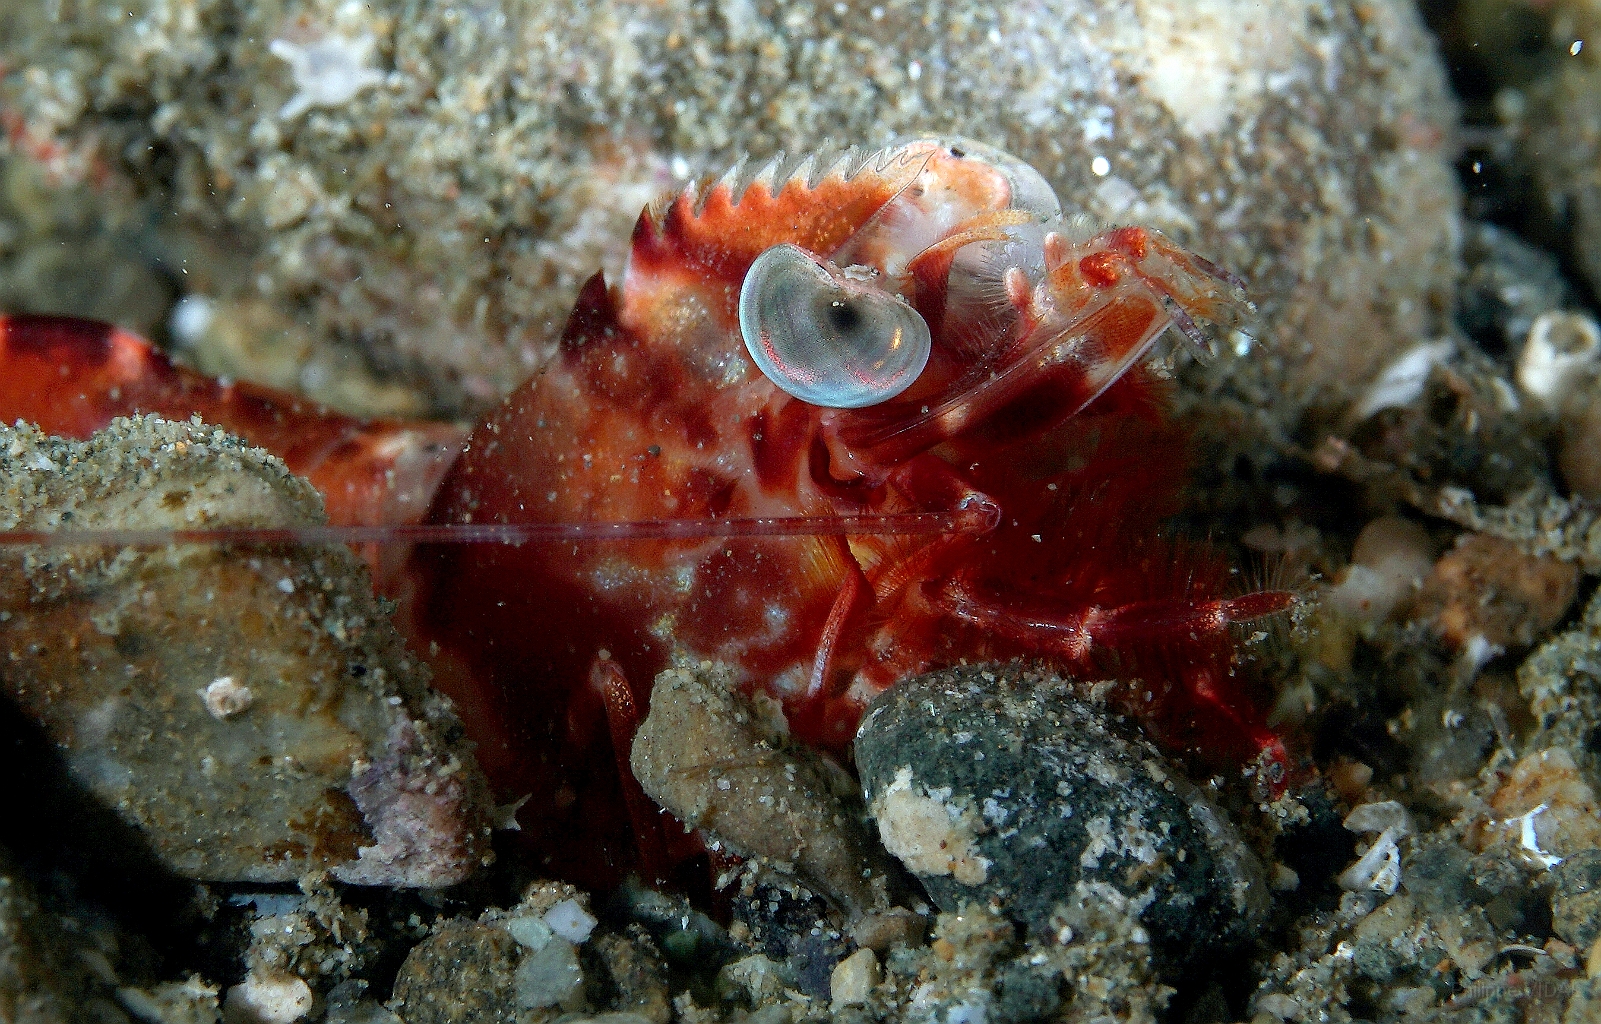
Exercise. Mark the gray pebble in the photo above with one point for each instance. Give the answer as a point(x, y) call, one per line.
point(1576, 901)
point(995, 783)
point(548, 977)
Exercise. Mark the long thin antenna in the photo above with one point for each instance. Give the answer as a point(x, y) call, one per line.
point(909, 523)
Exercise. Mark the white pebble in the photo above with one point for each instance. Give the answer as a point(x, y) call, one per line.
point(530, 932)
point(1390, 560)
point(267, 999)
point(853, 980)
point(550, 976)
point(570, 921)
point(1279, 1005)
point(759, 977)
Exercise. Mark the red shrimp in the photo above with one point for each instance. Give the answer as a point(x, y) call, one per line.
point(868, 419)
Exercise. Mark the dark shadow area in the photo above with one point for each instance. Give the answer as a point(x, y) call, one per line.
point(1488, 48)
point(72, 846)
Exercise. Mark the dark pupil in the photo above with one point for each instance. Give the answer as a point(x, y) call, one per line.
point(843, 317)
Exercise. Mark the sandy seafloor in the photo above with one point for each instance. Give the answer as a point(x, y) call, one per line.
point(389, 207)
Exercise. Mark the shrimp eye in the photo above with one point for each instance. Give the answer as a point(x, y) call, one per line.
point(827, 339)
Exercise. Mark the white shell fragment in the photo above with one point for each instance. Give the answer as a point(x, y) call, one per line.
point(225, 697)
point(1561, 347)
point(1402, 382)
point(1529, 841)
point(328, 72)
point(1379, 867)
point(1379, 817)
point(826, 338)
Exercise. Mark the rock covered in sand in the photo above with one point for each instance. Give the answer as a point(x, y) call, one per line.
point(250, 710)
point(444, 214)
point(541, 958)
point(714, 759)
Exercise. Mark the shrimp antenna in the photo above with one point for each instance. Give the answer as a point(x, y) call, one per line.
point(905, 523)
